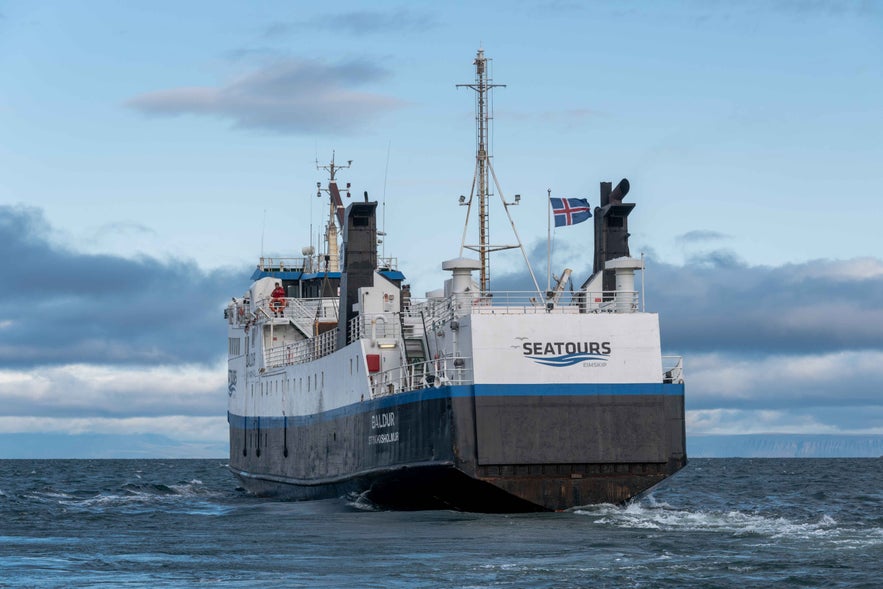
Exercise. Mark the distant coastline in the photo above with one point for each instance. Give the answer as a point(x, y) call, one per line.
point(98, 446)
point(785, 446)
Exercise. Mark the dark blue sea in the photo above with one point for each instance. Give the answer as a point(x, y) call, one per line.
point(184, 523)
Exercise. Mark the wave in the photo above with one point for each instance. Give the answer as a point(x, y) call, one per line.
point(192, 497)
point(568, 359)
point(650, 515)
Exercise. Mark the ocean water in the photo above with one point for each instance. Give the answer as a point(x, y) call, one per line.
point(184, 523)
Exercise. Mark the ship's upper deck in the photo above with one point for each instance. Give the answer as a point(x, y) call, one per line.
point(310, 268)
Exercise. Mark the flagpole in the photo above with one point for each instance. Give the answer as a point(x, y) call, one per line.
point(549, 240)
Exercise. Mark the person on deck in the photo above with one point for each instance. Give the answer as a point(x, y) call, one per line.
point(277, 300)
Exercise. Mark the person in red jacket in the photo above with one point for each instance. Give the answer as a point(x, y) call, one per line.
point(277, 300)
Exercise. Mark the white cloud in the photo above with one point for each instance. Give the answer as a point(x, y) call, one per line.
point(96, 390)
point(852, 269)
point(749, 421)
point(290, 96)
point(833, 379)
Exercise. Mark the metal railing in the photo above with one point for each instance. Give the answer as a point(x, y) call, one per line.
point(525, 303)
point(284, 264)
point(303, 351)
point(387, 264)
point(422, 375)
point(374, 326)
point(673, 369)
point(299, 309)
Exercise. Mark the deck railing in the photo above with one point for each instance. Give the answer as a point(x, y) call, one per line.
point(302, 351)
point(422, 375)
point(296, 309)
point(309, 264)
point(375, 326)
point(284, 264)
point(673, 369)
point(527, 303)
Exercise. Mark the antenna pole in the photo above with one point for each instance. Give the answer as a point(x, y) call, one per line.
point(385, 177)
point(484, 172)
point(548, 239)
point(335, 209)
point(263, 231)
point(482, 87)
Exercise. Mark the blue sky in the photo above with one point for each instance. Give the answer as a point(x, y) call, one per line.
point(150, 152)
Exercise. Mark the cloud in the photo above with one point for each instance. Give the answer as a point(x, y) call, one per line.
point(719, 303)
point(87, 390)
point(701, 236)
point(782, 382)
point(802, 420)
point(61, 307)
point(357, 22)
point(125, 228)
point(290, 96)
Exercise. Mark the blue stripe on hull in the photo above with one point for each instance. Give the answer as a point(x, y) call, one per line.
point(479, 390)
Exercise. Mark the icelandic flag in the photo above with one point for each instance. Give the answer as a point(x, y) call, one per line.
point(570, 211)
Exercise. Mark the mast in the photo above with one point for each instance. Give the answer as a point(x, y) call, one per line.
point(484, 171)
point(335, 209)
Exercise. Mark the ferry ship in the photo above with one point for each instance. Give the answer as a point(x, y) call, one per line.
point(343, 384)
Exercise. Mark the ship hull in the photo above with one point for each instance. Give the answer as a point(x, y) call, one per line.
point(474, 448)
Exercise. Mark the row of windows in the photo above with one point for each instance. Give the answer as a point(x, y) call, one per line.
point(296, 385)
point(234, 345)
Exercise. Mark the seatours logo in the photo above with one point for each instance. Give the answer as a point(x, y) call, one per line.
point(561, 354)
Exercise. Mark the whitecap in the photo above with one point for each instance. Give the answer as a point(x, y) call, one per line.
point(661, 516)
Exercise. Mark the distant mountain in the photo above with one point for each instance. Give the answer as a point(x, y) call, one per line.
point(785, 446)
point(54, 445)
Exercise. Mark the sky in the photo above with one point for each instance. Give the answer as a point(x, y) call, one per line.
point(150, 152)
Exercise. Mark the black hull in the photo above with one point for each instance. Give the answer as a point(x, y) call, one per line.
point(406, 488)
point(450, 448)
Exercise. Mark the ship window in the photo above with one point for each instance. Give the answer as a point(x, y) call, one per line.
point(308, 384)
point(323, 378)
point(351, 365)
point(614, 221)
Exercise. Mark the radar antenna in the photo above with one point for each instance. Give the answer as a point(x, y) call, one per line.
point(335, 209)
